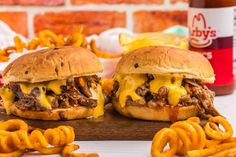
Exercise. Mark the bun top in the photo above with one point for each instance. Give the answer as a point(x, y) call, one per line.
point(53, 63)
point(167, 61)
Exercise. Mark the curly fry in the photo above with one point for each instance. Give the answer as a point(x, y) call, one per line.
point(212, 143)
point(214, 132)
point(69, 149)
point(51, 150)
point(161, 139)
point(14, 125)
point(232, 139)
point(3, 53)
point(100, 53)
point(60, 136)
point(226, 153)
point(4, 58)
point(20, 45)
point(50, 39)
point(191, 136)
point(33, 44)
point(211, 151)
point(17, 153)
point(20, 139)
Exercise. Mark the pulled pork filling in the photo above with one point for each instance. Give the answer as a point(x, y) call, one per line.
point(197, 94)
point(77, 91)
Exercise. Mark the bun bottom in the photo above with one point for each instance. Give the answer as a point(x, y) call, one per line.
point(55, 114)
point(164, 113)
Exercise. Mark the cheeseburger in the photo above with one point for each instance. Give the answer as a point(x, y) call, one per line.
point(54, 84)
point(163, 84)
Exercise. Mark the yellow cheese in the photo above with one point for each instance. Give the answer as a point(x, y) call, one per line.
point(174, 85)
point(8, 97)
point(128, 86)
point(99, 109)
point(55, 86)
point(27, 88)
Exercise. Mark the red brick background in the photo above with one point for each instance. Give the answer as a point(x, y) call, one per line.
point(117, 1)
point(32, 2)
point(28, 17)
point(150, 21)
point(16, 20)
point(68, 22)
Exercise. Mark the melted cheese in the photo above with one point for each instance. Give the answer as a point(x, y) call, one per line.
point(8, 97)
point(55, 86)
point(128, 86)
point(99, 109)
point(27, 88)
point(175, 88)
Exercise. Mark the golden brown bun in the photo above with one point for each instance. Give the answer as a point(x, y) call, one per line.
point(53, 63)
point(167, 61)
point(164, 113)
point(56, 114)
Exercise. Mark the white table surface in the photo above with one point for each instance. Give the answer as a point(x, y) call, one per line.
point(225, 104)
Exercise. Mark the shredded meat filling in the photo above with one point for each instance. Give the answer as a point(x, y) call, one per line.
point(76, 92)
point(197, 94)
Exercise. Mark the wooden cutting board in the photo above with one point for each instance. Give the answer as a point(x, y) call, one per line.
point(111, 126)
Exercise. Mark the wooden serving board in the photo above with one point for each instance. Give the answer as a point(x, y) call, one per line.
point(111, 126)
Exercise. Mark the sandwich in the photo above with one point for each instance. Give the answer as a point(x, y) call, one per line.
point(163, 84)
point(54, 84)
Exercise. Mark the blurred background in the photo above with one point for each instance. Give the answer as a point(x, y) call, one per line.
point(28, 17)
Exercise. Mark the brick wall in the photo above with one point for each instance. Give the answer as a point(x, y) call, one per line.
point(28, 17)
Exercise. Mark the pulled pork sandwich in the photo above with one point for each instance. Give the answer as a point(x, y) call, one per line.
point(54, 84)
point(163, 84)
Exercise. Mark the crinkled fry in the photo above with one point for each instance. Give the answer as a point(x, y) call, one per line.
point(161, 139)
point(16, 153)
point(214, 132)
point(212, 150)
point(226, 153)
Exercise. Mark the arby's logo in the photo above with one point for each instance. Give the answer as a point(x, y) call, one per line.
point(201, 34)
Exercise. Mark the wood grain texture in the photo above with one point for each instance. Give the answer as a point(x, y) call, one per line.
point(111, 126)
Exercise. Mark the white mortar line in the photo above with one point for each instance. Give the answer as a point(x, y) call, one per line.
point(30, 24)
point(103, 7)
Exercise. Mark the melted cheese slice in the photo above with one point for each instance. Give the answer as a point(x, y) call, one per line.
point(52, 85)
point(8, 97)
point(128, 86)
point(99, 109)
point(175, 88)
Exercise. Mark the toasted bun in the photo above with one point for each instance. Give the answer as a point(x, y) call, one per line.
point(53, 63)
point(167, 61)
point(164, 113)
point(56, 114)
